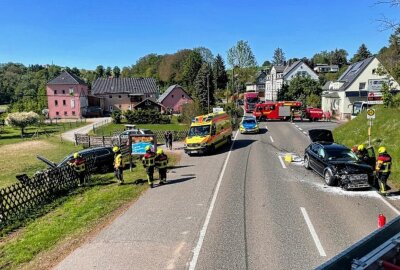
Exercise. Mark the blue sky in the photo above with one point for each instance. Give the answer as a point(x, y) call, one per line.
point(89, 33)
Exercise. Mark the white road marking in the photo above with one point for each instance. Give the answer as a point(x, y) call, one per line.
point(305, 132)
point(197, 249)
point(272, 140)
point(282, 162)
point(313, 233)
point(266, 126)
point(389, 205)
point(300, 128)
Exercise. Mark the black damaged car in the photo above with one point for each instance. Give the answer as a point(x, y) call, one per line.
point(336, 163)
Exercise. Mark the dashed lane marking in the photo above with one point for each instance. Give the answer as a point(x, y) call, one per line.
point(313, 232)
point(282, 162)
point(272, 140)
point(300, 128)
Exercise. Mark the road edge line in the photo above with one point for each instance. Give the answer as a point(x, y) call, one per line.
point(394, 209)
point(313, 232)
point(203, 231)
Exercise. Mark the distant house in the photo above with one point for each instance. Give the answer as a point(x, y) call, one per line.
point(283, 74)
point(149, 104)
point(67, 96)
point(359, 81)
point(259, 84)
point(174, 97)
point(325, 68)
point(123, 93)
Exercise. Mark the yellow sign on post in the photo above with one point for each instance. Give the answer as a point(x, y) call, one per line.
point(371, 114)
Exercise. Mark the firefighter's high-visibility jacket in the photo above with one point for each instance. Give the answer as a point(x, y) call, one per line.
point(118, 161)
point(161, 161)
point(149, 159)
point(384, 163)
point(78, 164)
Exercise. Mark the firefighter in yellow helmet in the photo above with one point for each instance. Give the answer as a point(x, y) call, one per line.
point(362, 153)
point(149, 163)
point(383, 168)
point(118, 165)
point(78, 163)
point(161, 162)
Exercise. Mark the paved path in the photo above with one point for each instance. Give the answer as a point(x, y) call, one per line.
point(70, 135)
point(238, 209)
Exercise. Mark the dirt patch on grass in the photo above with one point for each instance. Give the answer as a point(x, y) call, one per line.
point(28, 146)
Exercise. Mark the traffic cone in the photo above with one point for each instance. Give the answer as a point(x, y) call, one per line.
point(381, 221)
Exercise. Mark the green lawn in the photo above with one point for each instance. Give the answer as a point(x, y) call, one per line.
point(69, 220)
point(9, 135)
point(20, 157)
point(385, 132)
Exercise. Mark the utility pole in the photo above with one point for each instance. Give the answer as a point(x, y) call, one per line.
point(208, 93)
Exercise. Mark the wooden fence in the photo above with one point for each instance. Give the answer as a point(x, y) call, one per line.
point(18, 200)
point(90, 141)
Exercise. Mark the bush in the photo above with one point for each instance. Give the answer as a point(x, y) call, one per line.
point(396, 101)
point(116, 117)
point(146, 117)
point(189, 111)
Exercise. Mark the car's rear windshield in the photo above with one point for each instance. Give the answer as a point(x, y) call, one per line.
point(340, 154)
point(249, 121)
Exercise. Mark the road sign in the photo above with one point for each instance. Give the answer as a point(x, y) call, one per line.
point(217, 109)
point(371, 114)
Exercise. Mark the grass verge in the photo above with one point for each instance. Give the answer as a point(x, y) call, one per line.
point(32, 247)
point(385, 132)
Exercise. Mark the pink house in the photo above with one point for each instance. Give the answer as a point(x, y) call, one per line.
point(67, 96)
point(174, 97)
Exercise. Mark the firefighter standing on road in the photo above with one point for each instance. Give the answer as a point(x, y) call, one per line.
point(161, 164)
point(383, 165)
point(78, 163)
point(118, 164)
point(149, 162)
point(292, 115)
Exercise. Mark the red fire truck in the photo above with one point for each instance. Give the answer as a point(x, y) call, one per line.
point(279, 110)
point(250, 101)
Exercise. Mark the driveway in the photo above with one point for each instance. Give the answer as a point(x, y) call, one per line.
point(70, 135)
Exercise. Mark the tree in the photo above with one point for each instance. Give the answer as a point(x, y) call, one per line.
point(99, 71)
point(321, 58)
point(108, 72)
point(241, 55)
point(126, 72)
point(387, 23)
point(279, 57)
point(190, 69)
point(203, 83)
point(338, 57)
point(206, 54)
point(22, 120)
point(390, 56)
point(361, 54)
point(116, 72)
point(301, 88)
point(387, 96)
point(266, 63)
point(219, 73)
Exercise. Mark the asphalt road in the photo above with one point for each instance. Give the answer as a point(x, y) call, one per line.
point(239, 209)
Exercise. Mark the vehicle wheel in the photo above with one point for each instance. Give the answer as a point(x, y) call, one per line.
point(211, 149)
point(104, 169)
point(329, 179)
point(307, 162)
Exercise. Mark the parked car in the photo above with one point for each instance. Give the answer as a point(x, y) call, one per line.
point(93, 112)
point(336, 163)
point(128, 132)
point(104, 158)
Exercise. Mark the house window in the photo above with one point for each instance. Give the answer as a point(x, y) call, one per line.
point(72, 103)
point(73, 113)
point(64, 102)
point(119, 96)
point(63, 91)
point(374, 71)
point(172, 96)
point(65, 113)
point(71, 91)
point(136, 99)
point(56, 103)
point(110, 96)
point(55, 92)
point(57, 113)
point(361, 86)
point(111, 108)
point(183, 96)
